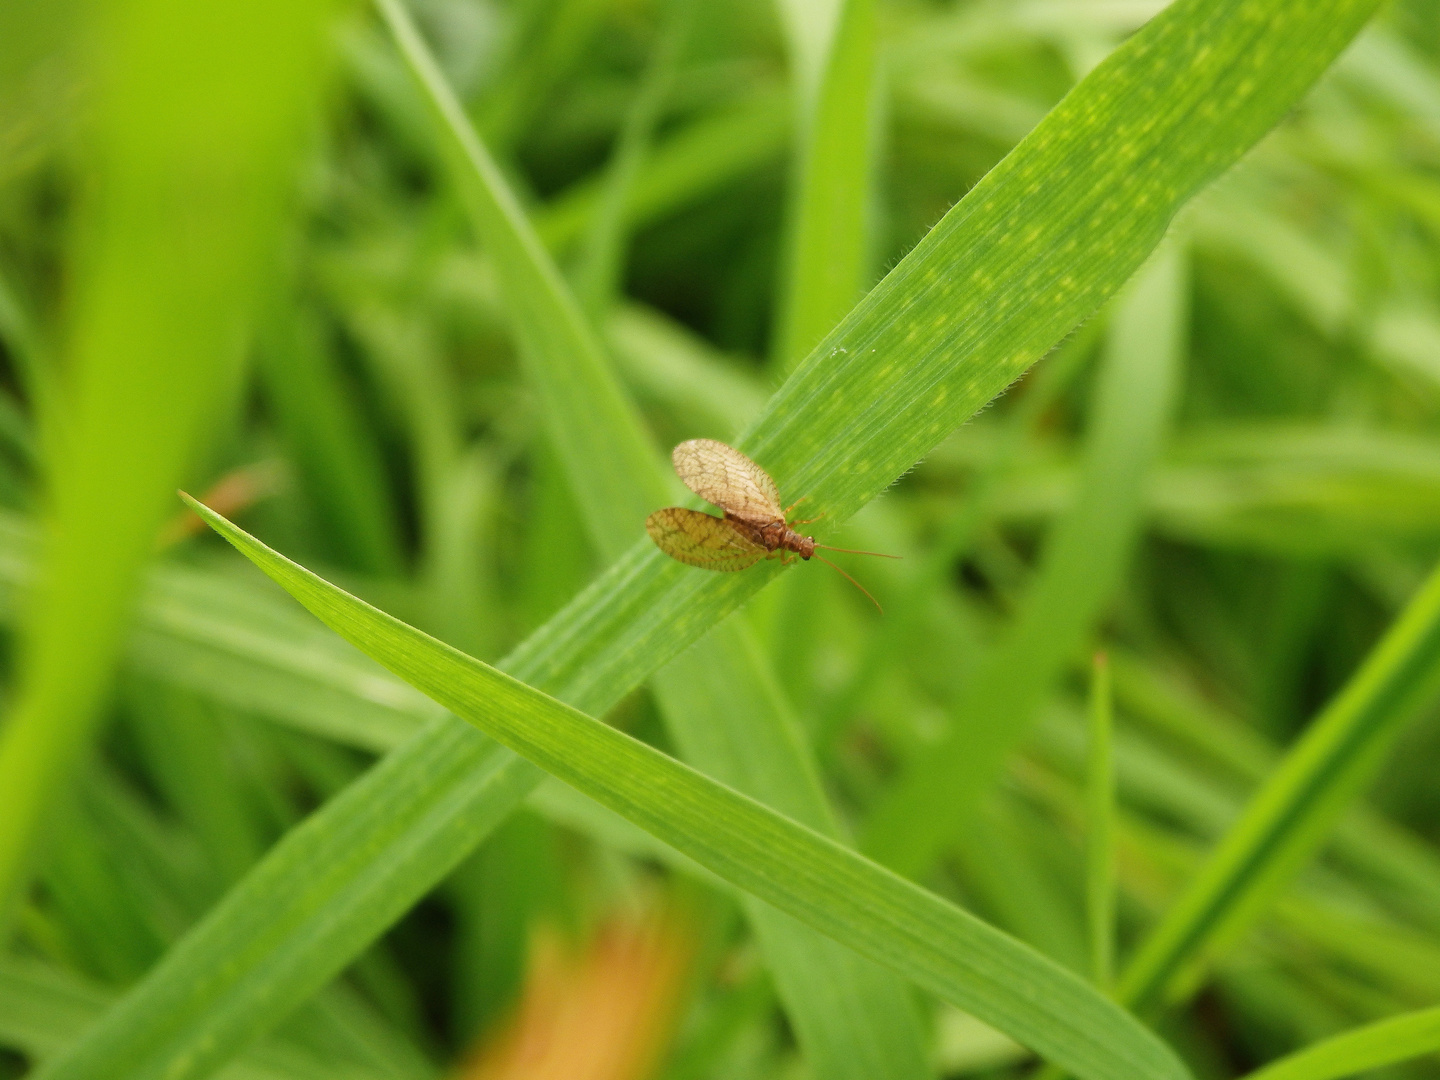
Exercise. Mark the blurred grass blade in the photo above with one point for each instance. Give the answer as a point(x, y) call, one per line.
point(729, 718)
point(1082, 565)
point(944, 949)
point(546, 318)
point(1407, 869)
point(829, 241)
point(1100, 826)
point(1051, 232)
point(550, 39)
point(680, 169)
point(601, 260)
point(810, 27)
point(1373, 1046)
point(34, 367)
point(169, 254)
point(1293, 812)
point(852, 1019)
point(339, 463)
point(44, 1008)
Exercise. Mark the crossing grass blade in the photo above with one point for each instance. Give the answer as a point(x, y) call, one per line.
point(1036, 247)
point(810, 877)
point(337, 459)
point(547, 319)
point(728, 716)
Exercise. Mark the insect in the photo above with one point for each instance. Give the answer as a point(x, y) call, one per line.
point(754, 526)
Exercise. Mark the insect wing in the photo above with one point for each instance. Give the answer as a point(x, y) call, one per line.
point(724, 476)
point(701, 540)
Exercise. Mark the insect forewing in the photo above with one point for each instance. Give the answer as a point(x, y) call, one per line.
point(724, 476)
point(702, 540)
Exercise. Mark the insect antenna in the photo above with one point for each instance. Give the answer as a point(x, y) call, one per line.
point(850, 579)
point(853, 551)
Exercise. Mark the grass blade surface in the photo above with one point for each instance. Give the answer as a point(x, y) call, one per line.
point(944, 949)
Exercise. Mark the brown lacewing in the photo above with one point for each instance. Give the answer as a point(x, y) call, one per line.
point(754, 526)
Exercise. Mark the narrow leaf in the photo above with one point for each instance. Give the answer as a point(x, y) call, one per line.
point(941, 947)
point(1370, 1047)
point(1293, 812)
point(829, 242)
point(1100, 826)
point(545, 316)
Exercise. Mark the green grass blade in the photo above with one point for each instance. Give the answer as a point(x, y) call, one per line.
point(339, 463)
point(729, 718)
point(183, 742)
point(785, 864)
point(170, 252)
point(829, 242)
point(1051, 232)
point(1406, 868)
point(1100, 826)
point(311, 906)
point(1370, 1047)
point(852, 1019)
point(1083, 563)
point(1293, 812)
point(550, 41)
point(1001, 859)
point(409, 364)
point(669, 364)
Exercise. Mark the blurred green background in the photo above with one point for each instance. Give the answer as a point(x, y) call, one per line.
point(1228, 481)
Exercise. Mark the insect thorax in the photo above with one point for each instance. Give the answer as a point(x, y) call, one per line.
point(773, 535)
